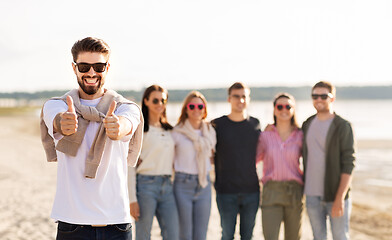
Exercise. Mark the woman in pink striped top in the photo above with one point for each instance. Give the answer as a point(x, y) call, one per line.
point(279, 149)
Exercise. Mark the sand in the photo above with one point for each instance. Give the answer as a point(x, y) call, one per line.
point(27, 186)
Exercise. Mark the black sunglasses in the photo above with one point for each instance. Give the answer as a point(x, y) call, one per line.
point(162, 100)
point(85, 67)
point(192, 106)
point(322, 96)
point(280, 107)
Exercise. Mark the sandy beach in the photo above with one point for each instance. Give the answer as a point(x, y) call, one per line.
point(27, 186)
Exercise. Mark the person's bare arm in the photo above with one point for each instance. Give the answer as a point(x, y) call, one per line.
point(338, 204)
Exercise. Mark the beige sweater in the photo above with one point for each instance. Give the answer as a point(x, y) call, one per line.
point(70, 144)
point(204, 145)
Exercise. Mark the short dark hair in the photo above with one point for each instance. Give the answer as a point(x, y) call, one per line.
point(237, 85)
point(327, 85)
point(90, 44)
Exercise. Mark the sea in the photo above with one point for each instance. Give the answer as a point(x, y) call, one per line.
point(370, 119)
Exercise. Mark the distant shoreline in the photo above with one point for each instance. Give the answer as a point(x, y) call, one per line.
point(220, 94)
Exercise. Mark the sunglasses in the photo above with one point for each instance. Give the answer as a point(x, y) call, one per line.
point(192, 106)
point(322, 96)
point(280, 107)
point(85, 67)
point(157, 101)
point(238, 97)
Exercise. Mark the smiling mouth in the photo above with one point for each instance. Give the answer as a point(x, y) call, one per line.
point(90, 81)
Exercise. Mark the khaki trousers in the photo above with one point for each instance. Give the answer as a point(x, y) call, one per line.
point(282, 201)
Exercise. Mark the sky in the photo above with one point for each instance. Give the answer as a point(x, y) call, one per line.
point(196, 44)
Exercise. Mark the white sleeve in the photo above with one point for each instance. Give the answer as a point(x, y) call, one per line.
point(132, 184)
point(175, 137)
point(50, 110)
point(132, 113)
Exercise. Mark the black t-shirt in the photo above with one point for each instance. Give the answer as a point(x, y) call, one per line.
point(235, 157)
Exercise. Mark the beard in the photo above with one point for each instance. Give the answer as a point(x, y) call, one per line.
point(322, 108)
point(90, 90)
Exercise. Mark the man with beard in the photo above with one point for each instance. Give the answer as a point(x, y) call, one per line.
point(93, 133)
point(328, 156)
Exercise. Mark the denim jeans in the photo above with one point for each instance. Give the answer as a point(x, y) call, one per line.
point(230, 205)
point(155, 198)
point(68, 231)
point(318, 211)
point(194, 206)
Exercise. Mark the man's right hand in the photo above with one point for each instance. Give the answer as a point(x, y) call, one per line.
point(68, 120)
point(135, 211)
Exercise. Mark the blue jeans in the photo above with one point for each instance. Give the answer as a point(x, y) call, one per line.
point(230, 205)
point(68, 231)
point(318, 211)
point(194, 206)
point(155, 198)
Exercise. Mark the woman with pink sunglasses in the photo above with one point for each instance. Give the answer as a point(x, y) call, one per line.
point(195, 141)
point(279, 149)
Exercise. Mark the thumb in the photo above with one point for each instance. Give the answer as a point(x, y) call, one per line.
point(70, 104)
point(111, 109)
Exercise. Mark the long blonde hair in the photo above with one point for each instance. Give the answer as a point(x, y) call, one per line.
point(188, 98)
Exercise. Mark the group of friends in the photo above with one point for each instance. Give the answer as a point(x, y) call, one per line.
point(117, 161)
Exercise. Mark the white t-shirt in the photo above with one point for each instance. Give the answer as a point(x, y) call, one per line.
point(185, 154)
point(104, 199)
point(157, 152)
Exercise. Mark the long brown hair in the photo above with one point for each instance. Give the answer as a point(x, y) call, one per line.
point(163, 119)
point(293, 119)
point(193, 94)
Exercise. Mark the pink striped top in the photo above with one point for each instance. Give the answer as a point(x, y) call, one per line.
point(280, 158)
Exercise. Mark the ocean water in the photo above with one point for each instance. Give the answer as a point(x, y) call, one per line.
point(371, 119)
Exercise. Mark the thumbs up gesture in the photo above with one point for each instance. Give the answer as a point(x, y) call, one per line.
point(69, 119)
point(112, 123)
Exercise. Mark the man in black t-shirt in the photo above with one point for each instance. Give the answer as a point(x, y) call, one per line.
point(236, 184)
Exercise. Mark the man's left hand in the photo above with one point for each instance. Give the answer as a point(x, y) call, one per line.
point(112, 123)
point(337, 208)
